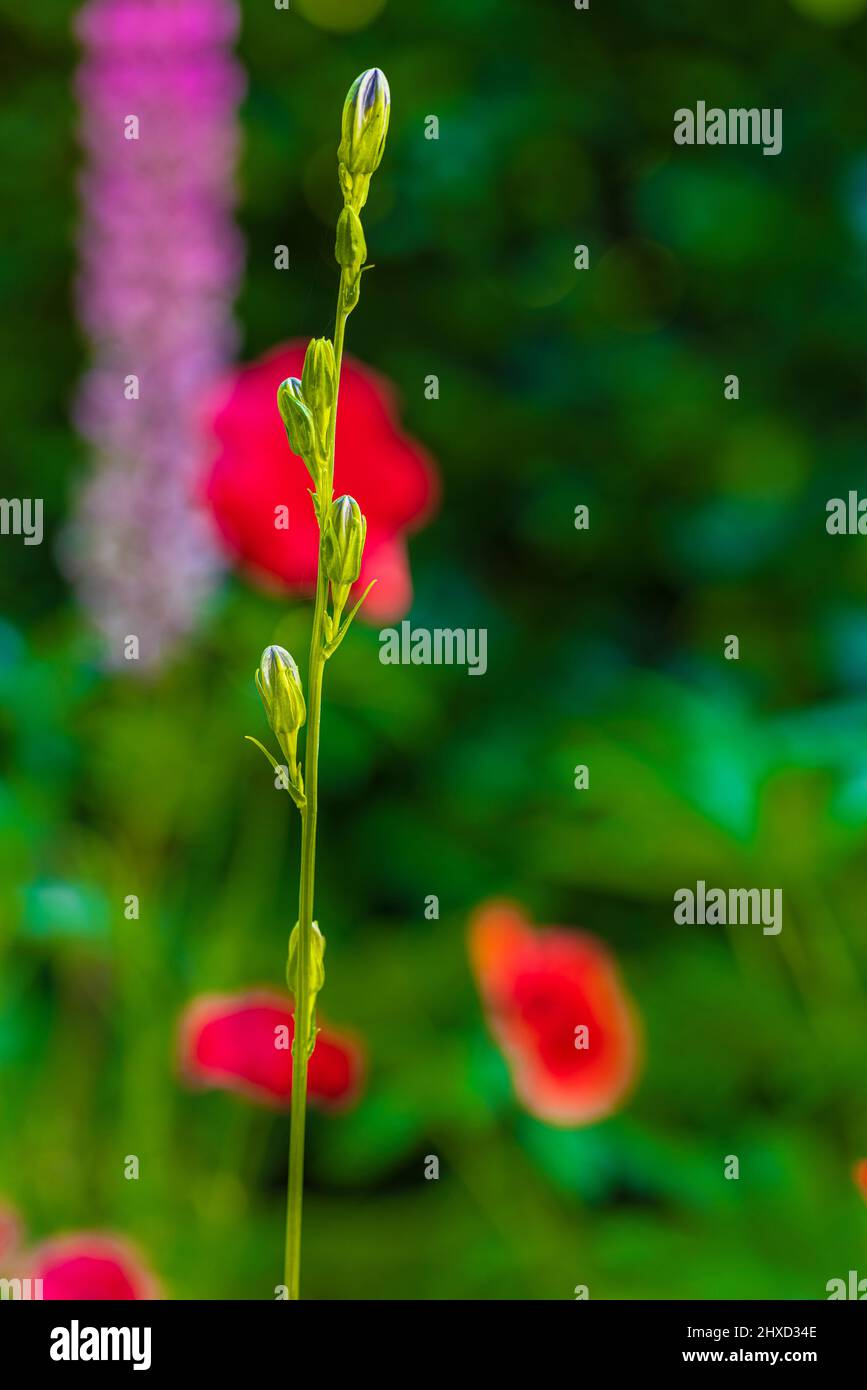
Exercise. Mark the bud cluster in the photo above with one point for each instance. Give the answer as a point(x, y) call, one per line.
point(306, 406)
point(364, 127)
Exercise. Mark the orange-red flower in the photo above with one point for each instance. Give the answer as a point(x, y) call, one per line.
point(254, 475)
point(243, 1042)
point(558, 1009)
point(92, 1267)
point(859, 1174)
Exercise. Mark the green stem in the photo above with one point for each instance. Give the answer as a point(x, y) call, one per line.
point(301, 1045)
point(339, 334)
point(305, 917)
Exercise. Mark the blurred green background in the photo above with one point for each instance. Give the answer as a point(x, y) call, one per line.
point(558, 387)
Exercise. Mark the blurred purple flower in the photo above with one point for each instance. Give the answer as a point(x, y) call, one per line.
point(160, 259)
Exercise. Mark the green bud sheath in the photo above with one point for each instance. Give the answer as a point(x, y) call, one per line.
point(298, 420)
point(317, 976)
point(350, 248)
point(317, 960)
point(343, 541)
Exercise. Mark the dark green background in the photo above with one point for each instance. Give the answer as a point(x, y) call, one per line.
point(606, 647)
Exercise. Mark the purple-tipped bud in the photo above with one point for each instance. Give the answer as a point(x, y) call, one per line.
point(297, 418)
point(364, 127)
point(343, 542)
point(279, 685)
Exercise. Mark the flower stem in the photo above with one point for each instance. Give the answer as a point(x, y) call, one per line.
point(302, 1045)
point(339, 335)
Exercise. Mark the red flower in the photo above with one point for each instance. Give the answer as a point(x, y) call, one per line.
point(254, 473)
point(93, 1267)
point(859, 1173)
point(556, 1005)
point(243, 1042)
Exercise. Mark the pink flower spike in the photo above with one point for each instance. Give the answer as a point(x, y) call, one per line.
point(159, 263)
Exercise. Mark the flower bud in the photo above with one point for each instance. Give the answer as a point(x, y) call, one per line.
point(317, 959)
point(297, 418)
point(317, 383)
point(279, 685)
point(364, 127)
point(350, 248)
point(343, 542)
point(315, 981)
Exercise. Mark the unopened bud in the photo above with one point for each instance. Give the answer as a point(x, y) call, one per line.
point(364, 127)
point(297, 418)
point(315, 980)
point(317, 383)
point(279, 685)
point(316, 963)
point(343, 542)
point(350, 247)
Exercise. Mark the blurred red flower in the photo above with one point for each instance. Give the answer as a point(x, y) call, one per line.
point(92, 1267)
point(10, 1230)
point(859, 1173)
point(243, 1042)
point(557, 1007)
point(254, 473)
